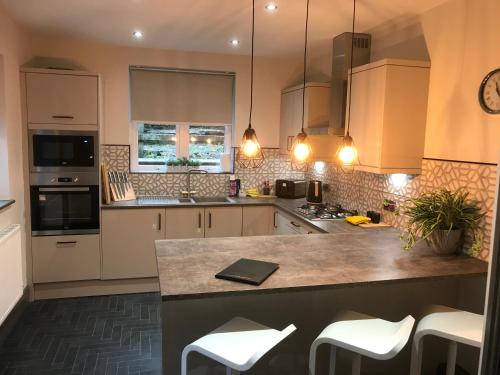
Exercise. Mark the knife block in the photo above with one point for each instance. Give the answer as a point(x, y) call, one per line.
point(120, 186)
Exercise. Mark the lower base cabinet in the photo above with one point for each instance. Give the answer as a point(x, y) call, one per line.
point(223, 222)
point(287, 224)
point(258, 221)
point(128, 236)
point(66, 258)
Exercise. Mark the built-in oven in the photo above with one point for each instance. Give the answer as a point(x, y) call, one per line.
point(64, 204)
point(63, 150)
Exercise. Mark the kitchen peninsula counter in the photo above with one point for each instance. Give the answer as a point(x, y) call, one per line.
point(187, 267)
point(319, 275)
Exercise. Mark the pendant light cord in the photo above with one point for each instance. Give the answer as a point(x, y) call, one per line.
point(305, 68)
point(352, 64)
point(251, 65)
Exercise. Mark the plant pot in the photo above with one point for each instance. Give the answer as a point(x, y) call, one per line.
point(444, 242)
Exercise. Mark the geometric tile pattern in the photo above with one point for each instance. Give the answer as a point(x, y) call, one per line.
point(275, 166)
point(366, 191)
point(117, 334)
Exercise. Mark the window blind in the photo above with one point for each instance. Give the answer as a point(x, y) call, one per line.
point(165, 95)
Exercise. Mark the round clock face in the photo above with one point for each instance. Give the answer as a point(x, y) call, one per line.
point(489, 92)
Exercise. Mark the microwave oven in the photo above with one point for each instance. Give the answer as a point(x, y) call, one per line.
point(63, 150)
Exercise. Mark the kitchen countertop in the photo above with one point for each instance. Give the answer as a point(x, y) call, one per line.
point(307, 262)
point(287, 205)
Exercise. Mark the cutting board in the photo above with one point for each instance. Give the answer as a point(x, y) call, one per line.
point(372, 225)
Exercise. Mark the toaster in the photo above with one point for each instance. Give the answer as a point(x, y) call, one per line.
point(290, 189)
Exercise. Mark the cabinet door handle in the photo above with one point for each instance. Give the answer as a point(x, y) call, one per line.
point(295, 224)
point(159, 221)
point(199, 220)
point(58, 243)
point(275, 219)
point(63, 117)
point(210, 220)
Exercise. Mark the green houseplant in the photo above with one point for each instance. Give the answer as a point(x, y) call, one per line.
point(441, 218)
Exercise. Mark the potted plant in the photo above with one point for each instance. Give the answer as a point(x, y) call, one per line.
point(181, 164)
point(441, 218)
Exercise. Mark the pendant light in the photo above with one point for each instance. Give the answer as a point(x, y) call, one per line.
point(301, 149)
point(250, 154)
point(347, 153)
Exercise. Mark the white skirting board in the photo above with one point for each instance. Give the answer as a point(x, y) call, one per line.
point(11, 269)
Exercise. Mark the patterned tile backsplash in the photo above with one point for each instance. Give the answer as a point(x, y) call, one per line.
point(367, 191)
point(117, 157)
point(353, 190)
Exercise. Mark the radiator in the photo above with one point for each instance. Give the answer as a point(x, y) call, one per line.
point(11, 269)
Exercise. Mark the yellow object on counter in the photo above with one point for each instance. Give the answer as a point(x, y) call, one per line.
point(356, 220)
point(252, 192)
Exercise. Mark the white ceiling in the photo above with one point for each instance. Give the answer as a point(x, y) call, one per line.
point(208, 25)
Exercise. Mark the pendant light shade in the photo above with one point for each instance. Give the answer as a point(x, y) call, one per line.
point(250, 154)
point(301, 150)
point(347, 153)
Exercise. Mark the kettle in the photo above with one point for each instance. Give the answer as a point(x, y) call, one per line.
point(315, 192)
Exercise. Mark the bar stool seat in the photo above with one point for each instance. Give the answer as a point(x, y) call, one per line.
point(237, 344)
point(451, 324)
point(364, 335)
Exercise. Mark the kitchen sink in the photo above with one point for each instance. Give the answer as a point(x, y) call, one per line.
point(211, 200)
point(184, 200)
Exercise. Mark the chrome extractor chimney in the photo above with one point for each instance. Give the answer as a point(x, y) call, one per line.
point(341, 63)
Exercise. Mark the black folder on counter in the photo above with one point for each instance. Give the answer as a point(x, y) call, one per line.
point(248, 271)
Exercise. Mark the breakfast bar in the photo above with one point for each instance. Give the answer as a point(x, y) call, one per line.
point(359, 270)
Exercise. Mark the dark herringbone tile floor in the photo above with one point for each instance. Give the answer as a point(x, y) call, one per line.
point(109, 335)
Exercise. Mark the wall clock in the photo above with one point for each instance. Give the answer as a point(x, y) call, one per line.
point(489, 92)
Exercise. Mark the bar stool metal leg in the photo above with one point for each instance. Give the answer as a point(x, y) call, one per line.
point(356, 365)
point(452, 358)
point(333, 359)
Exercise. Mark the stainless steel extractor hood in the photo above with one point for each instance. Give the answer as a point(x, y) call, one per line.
point(341, 63)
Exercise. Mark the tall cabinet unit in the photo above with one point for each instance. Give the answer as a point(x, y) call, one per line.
point(59, 100)
point(388, 115)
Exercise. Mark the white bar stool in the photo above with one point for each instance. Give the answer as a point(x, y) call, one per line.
point(455, 325)
point(237, 344)
point(363, 335)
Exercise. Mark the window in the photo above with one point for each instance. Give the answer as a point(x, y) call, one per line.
point(206, 143)
point(156, 145)
point(179, 114)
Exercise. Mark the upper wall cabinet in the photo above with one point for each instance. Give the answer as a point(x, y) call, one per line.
point(388, 115)
point(316, 110)
point(62, 98)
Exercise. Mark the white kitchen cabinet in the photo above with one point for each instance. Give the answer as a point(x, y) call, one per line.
point(316, 112)
point(258, 221)
point(66, 258)
point(388, 115)
point(69, 99)
point(185, 223)
point(287, 224)
point(223, 222)
point(128, 236)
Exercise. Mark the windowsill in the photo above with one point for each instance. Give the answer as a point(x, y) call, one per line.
point(181, 170)
point(6, 203)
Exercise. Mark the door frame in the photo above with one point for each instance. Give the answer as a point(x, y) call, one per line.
point(490, 360)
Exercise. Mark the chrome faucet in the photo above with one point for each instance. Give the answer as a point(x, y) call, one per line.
point(191, 171)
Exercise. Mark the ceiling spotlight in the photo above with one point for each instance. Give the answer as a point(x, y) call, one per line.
point(235, 42)
point(271, 7)
point(137, 34)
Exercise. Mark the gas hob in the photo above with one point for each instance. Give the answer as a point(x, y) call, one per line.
point(324, 212)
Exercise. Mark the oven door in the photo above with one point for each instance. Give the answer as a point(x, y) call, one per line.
point(59, 210)
point(54, 151)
